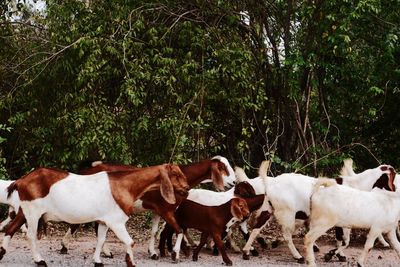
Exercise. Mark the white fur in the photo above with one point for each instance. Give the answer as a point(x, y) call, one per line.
point(76, 200)
point(210, 198)
point(338, 205)
point(290, 193)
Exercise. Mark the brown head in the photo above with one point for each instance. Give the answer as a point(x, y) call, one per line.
point(239, 208)
point(386, 180)
point(244, 189)
point(218, 170)
point(173, 182)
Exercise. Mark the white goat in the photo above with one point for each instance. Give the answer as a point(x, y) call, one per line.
point(337, 205)
point(290, 195)
point(350, 178)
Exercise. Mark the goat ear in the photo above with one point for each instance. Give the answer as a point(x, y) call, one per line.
point(244, 190)
point(216, 175)
point(392, 176)
point(166, 188)
point(235, 209)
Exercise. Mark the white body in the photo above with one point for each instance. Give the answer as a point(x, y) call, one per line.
point(76, 199)
point(342, 206)
point(290, 193)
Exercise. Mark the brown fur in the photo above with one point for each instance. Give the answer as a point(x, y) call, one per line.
point(386, 181)
point(339, 180)
point(108, 168)
point(244, 189)
point(167, 177)
point(205, 169)
point(39, 181)
point(210, 220)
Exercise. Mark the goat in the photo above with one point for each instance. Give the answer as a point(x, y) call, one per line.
point(213, 218)
point(211, 198)
point(290, 194)
point(216, 169)
point(343, 206)
point(106, 197)
point(350, 178)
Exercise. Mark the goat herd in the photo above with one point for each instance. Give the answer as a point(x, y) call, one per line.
point(108, 194)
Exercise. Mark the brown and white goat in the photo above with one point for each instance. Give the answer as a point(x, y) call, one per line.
point(214, 220)
point(106, 197)
point(216, 169)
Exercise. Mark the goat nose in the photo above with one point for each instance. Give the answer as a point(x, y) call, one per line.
point(184, 192)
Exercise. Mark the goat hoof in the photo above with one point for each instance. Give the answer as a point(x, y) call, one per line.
point(275, 244)
point(110, 255)
point(328, 257)
point(128, 261)
point(63, 250)
point(246, 257)
point(162, 254)
point(228, 263)
point(173, 256)
point(186, 252)
point(359, 265)
point(41, 263)
point(341, 258)
point(98, 264)
point(195, 257)
point(215, 252)
point(301, 260)
point(2, 252)
point(315, 248)
point(262, 242)
point(154, 257)
point(254, 253)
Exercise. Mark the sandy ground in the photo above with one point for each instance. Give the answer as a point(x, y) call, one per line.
point(82, 247)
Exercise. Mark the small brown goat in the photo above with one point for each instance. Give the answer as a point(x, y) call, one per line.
point(215, 220)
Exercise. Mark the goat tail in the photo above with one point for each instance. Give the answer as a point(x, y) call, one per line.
point(11, 188)
point(95, 163)
point(264, 168)
point(323, 182)
point(347, 169)
point(240, 175)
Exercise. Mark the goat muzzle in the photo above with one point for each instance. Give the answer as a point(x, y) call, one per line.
point(183, 192)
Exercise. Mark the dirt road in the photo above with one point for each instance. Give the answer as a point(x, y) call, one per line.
point(82, 247)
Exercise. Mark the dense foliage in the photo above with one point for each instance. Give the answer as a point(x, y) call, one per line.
point(304, 83)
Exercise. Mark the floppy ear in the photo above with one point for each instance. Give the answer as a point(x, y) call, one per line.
point(244, 189)
point(216, 175)
point(166, 188)
point(392, 176)
point(235, 209)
